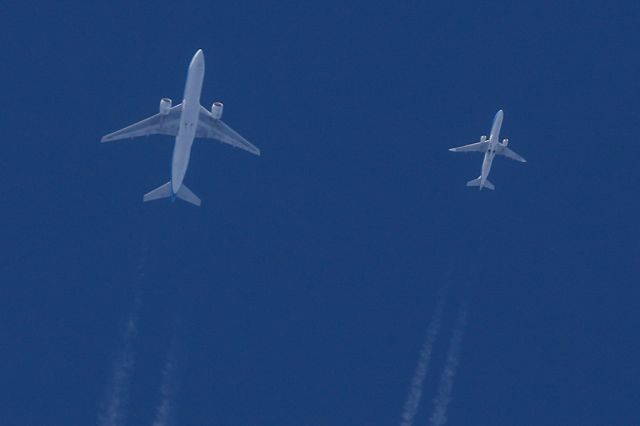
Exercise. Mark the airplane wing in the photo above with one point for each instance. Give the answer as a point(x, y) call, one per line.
point(212, 128)
point(509, 153)
point(159, 124)
point(474, 147)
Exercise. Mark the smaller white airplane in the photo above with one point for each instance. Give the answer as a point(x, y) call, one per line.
point(490, 147)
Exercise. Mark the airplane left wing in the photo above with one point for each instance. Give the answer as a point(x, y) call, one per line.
point(159, 124)
point(213, 128)
point(478, 146)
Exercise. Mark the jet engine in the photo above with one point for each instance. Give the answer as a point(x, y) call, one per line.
point(483, 138)
point(505, 142)
point(165, 106)
point(216, 110)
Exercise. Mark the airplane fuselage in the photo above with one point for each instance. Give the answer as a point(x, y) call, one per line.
point(188, 121)
point(494, 140)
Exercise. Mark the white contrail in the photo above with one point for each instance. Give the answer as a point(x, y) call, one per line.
point(415, 391)
point(445, 387)
point(165, 413)
point(113, 409)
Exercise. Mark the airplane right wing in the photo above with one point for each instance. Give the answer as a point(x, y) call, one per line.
point(509, 153)
point(159, 124)
point(474, 147)
point(213, 128)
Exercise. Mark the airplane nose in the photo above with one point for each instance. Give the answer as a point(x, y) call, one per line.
point(198, 58)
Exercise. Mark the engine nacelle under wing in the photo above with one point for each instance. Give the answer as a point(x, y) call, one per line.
point(216, 110)
point(165, 106)
point(505, 142)
point(483, 138)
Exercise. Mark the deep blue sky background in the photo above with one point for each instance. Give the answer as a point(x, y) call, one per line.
point(300, 292)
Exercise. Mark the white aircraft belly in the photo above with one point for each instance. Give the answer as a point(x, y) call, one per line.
point(180, 161)
point(188, 123)
point(497, 124)
point(486, 166)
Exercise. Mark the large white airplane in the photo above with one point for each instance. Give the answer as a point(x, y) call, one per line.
point(490, 147)
point(185, 121)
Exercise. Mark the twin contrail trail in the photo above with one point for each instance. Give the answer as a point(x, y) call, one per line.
point(415, 391)
point(165, 412)
point(445, 387)
point(113, 409)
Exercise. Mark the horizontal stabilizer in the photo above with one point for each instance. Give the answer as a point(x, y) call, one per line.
point(478, 182)
point(163, 191)
point(185, 194)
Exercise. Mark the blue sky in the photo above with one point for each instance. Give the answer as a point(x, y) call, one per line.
point(301, 291)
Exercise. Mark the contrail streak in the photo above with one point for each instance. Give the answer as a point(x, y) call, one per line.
point(415, 391)
point(165, 413)
point(113, 410)
point(445, 387)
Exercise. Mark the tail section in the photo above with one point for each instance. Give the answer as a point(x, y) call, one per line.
point(185, 194)
point(478, 182)
point(164, 191)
